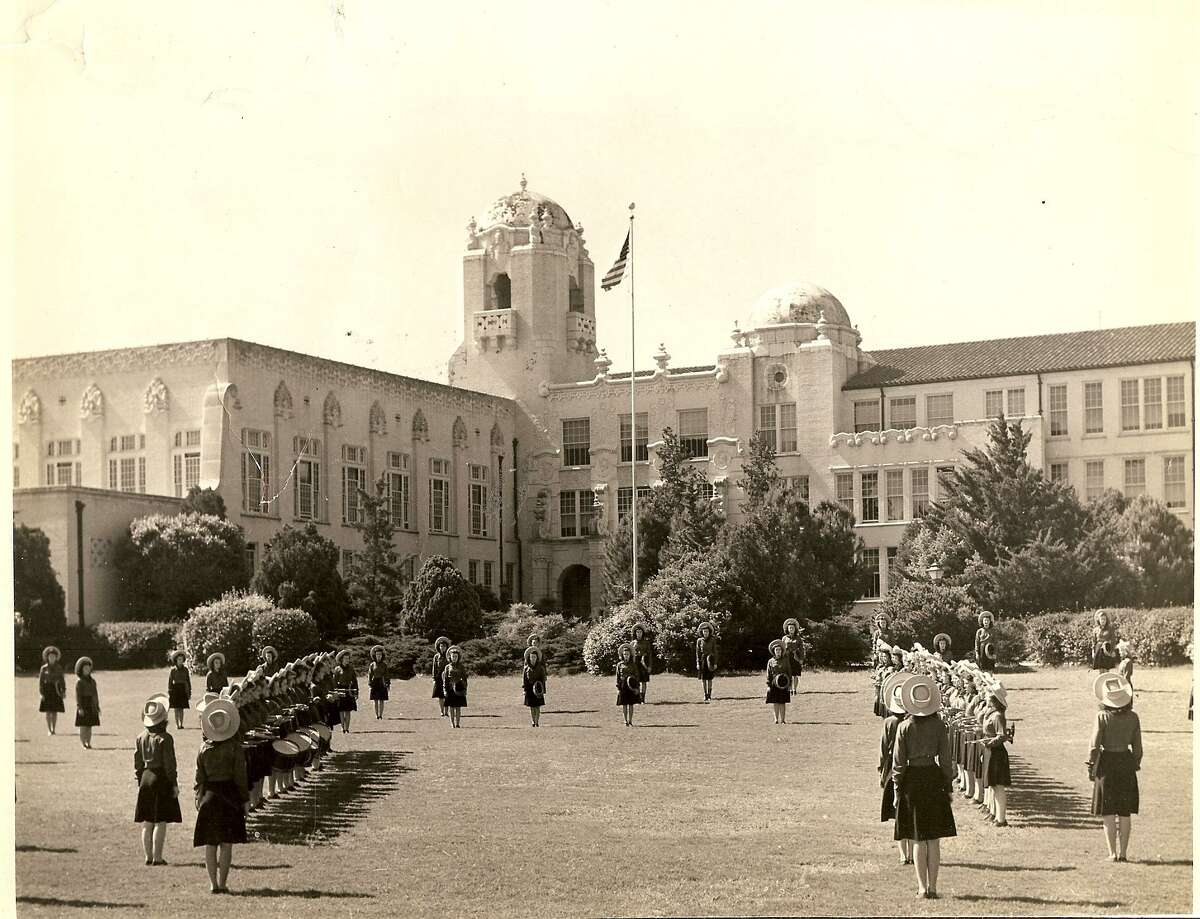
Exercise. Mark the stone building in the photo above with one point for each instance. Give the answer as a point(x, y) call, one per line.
point(521, 466)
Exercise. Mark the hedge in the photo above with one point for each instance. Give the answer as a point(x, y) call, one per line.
point(1159, 637)
point(225, 625)
point(291, 632)
point(110, 645)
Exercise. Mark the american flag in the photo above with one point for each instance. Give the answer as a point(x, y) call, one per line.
point(617, 271)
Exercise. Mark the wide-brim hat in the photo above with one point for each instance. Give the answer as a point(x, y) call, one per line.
point(263, 653)
point(777, 643)
point(625, 646)
point(380, 648)
point(530, 651)
point(1112, 690)
point(1102, 612)
point(889, 692)
point(452, 649)
point(216, 656)
point(999, 693)
point(220, 720)
point(939, 637)
point(441, 640)
point(990, 617)
point(154, 710)
point(176, 654)
point(536, 636)
point(208, 699)
point(643, 626)
point(795, 622)
point(48, 650)
point(920, 695)
point(706, 625)
point(345, 652)
point(79, 664)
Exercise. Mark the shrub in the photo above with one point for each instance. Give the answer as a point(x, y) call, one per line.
point(440, 601)
point(138, 644)
point(918, 610)
point(299, 570)
point(408, 656)
point(492, 656)
point(564, 652)
point(842, 641)
point(225, 625)
point(1159, 637)
point(522, 620)
point(36, 591)
point(488, 601)
point(204, 501)
point(292, 632)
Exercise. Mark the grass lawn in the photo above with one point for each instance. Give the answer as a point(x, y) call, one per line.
point(700, 809)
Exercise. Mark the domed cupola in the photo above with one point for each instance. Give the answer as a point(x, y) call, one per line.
point(797, 303)
point(523, 207)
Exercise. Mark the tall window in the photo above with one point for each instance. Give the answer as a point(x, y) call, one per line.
point(1135, 477)
point(577, 442)
point(348, 556)
point(574, 296)
point(693, 431)
point(60, 474)
point(1152, 418)
point(895, 494)
point(1174, 481)
point(798, 484)
point(185, 462)
point(870, 559)
point(1131, 416)
point(125, 473)
point(306, 487)
point(939, 410)
point(625, 499)
point(993, 403)
point(1058, 409)
point(902, 413)
point(354, 482)
point(892, 552)
point(439, 496)
point(1093, 407)
point(787, 427)
point(399, 485)
point(478, 499)
point(575, 512)
point(945, 475)
point(256, 472)
point(1058, 473)
point(866, 416)
point(251, 558)
point(634, 446)
point(920, 491)
point(1176, 403)
point(1016, 402)
point(473, 571)
point(501, 293)
point(843, 484)
point(870, 497)
point(1094, 480)
point(187, 438)
point(487, 575)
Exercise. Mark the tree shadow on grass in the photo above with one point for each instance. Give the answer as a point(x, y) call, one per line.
point(59, 762)
point(78, 904)
point(676, 702)
point(233, 868)
point(377, 731)
point(1040, 901)
point(570, 711)
point(55, 849)
point(1144, 732)
point(843, 723)
point(1163, 862)
point(979, 867)
point(1045, 803)
point(738, 698)
point(591, 727)
point(668, 725)
point(303, 894)
point(481, 716)
point(828, 692)
point(332, 801)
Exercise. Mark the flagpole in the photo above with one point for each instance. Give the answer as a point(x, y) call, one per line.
point(633, 410)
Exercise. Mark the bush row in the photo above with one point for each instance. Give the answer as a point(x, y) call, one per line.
point(1159, 637)
point(110, 645)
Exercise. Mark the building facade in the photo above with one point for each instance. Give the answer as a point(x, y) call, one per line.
point(520, 468)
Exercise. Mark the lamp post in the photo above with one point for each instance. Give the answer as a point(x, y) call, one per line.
point(935, 572)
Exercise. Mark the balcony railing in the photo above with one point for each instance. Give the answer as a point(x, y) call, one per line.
point(581, 332)
point(495, 328)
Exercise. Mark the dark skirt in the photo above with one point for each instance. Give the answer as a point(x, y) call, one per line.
point(1102, 661)
point(222, 819)
point(532, 700)
point(259, 754)
point(86, 717)
point(878, 709)
point(987, 664)
point(438, 693)
point(379, 690)
point(924, 811)
point(178, 696)
point(998, 772)
point(455, 699)
point(887, 806)
point(706, 672)
point(51, 703)
point(1115, 790)
point(627, 696)
point(347, 703)
point(156, 804)
point(775, 694)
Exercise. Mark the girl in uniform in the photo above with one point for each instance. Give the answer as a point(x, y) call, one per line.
point(995, 736)
point(985, 650)
point(1104, 643)
point(52, 687)
point(221, 791)
point(643, 651)
point(706, 658)
point(533, 681)
point(628, 682)
point(439, 667)
point(378, 679)
point(793, 651)
point(87, 701)
point(883, 670)
point(1116, 757)
point(941, 648)
point(779, 682)
point(158, 783)
point(1125, 668)
point(270, 660)
point(346, 679)
point(887, 743)
point(454, 685)
point(922, 770)
point(179, 686)
point(217, 678)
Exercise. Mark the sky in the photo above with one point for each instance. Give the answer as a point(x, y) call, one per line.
point(301, 174)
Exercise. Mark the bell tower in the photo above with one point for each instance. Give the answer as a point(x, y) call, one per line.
point(529, 308)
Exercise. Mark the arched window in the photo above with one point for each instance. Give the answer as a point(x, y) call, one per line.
point(575, 304)
point(501, 293)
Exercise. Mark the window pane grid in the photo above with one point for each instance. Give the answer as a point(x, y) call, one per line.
point(693, 432)
point(870, 497)
point(1058, 410)
point(939, 410)
point(577, 439)
point(902, 413)
point(642, 438)
point(1094, 485)
point(870, 558)
point(895, 494)
point(1135, 477)
point(787, 427)
point(920, 492)
point(1093, 408)
point(1174, 481)
point(1152, 407)
point(1176, 403)
point(866, 416)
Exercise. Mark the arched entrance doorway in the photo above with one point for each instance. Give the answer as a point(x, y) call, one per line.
point(575, 592)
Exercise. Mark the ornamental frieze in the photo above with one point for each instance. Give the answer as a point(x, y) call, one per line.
point(157, 399)
point(30, 409)
point(119, 360)
point(91, 405)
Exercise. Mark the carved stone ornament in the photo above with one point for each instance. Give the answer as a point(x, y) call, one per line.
point(458, 433)
point(283, 401)
point(420, 427)
point(377, 419)
point(600, 513)
point(604, 463)
point(92, 403)
point(30, 409)
point(496, 438)
point(777, 377)
point(232, 400)
point(722, 373)
point(331, 412)
point(721, 458)
point(157, 398)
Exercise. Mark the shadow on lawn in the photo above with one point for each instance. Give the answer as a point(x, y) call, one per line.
point(78, 904)
point(826, 692)
point(1042, 802)
point(570, 711)
point(59, 762)
point(55, 849)
point(331, 801)
point(234, 868)
point(1144, 732)
point(979, 867)
point(304, 894)
point(1040, 901)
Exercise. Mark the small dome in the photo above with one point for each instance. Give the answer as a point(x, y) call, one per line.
point(797, 303)
point(517, 209)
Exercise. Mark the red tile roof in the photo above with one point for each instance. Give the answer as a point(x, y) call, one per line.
point(1000, 357)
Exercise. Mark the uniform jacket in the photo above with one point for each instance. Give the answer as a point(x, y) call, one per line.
point(179, 676)
point(87, 696)
point(51, 681)
point(155, 752)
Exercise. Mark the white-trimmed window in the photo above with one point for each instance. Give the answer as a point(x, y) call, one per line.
point(186, 471)
point(473, 570)
point(693, 431)
point(306, 491)
point(1176, 403)
point(399, 485)
point(1093, 407)
point(920, 491)
point(939, 409)
point(866, 416)
point(251, 558)
point(1152, 408)
point(1057, 397)
point(1059, 473)
point(439, 496)
point(256, 472)
point(843, 485)
point(348, 556)
point(575, 512)
point(577, 442)
point(1135, 477)
point(187, 439)
point(993, 403)
point(798, 484)
point(1093, 479)
point(870, 560)
point(635, 447)
point(895, 494)
point(625, 499)
point(61, 473)
point(1016, 402)
point(354, 482)
point(902, 413)
point(487, 575)
point(1174, 481)
point(787, 427)
point(1131, 409)
point(478, 498)
point(869, 484)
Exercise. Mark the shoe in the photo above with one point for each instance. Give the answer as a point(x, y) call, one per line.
point(1001, 823)
point(161, 861)
point(149, 861)
point(1122, 858)
point(931, 895)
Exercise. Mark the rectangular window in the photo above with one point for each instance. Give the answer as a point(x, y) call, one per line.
point(128, 442)
point(398, 490)
point(577, 442)
point(895, 494)
point(1058, 409)
point(843, 483)
point(66, 448)
point(799, 484)
point(892, 552)
point(1152, 407)
point(256, 472)
point(945, 475)
point(50, 448)
point(1093, 408)
point(509, 576)
point(920, 491)
point(870, 560)
point(354, 482)
point(1094, 481)
point(487, 575)
point(113, 482)
point(1174, 481)
point(1135, 477)
point(1176, 403)
point(993, 403)
point(575, 512)
point(473, 571)
point(939, 410)
point(1016, 403)
point(306, 493)
point(128, 474)
point(693, 431)
point(192, 439)
point(625, 499)
point(787, 427)
point(439, 496)
point(478, 499)
point(634, 446)
point(870, 497)
point(251, 558)
point(186, 468)
point(902, 413)
point(62, 474)
point(1058, 473)
point(1131, 418)
point(767, 426)
point(866, 416)
point(347, 561)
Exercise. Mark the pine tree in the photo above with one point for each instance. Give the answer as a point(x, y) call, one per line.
point(760, 474)
point(374, 581)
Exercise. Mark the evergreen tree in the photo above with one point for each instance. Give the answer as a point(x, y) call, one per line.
point(440, 601)
point(760, 473)
point(37, 595)
point(299, 570)
point(374, 582)
point(1159, 547)
point(204, 501)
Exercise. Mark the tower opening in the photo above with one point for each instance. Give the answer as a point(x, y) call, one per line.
point(502, 293)
point(575, 303)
